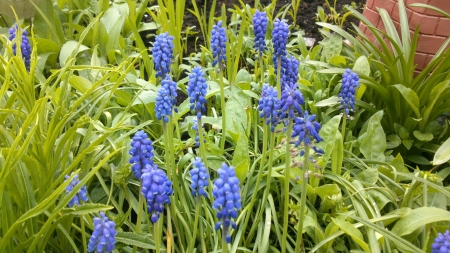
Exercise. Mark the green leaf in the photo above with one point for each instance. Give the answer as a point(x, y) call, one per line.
point(86, 208)
point(423, 136)
point(328, 133)
point(241, 158)
point(362, 66)
point(243, 76)
point(353, 232)
point(374, 143)
point(338, 60)
point(368, 176)
point(410, 96)
point(70, 49)
point(393, 141)
point(142, 241)
point(327, 190)
point(442, 155)
point(328, 102)
point(418, 218)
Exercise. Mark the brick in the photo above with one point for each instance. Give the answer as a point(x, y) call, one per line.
point(443, 28)
point(415, 20)
point(429, 43)
point(372, 16)
point(369, 4)
point(441, 4)
point(428, 24)
point(419, 59)
point(428, 59)
point(388, 5)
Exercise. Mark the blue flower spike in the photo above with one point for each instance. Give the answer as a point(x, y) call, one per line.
point(166, 99)
point(227, 199)
point(289, 72)
point(81, 194)
point(157, 189)
point(25, 46)
point(218, 44)
point(268, 105)
point(260, 28)
point(290, 101)
point(280, 35)
point(441, 243)
point(141, 151)
point(162, 54)
point(200, 178)
point(197, 91)
point(350, 82)
point(306, 127)
point(103, 237)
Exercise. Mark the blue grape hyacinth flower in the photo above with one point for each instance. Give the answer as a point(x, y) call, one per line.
point(162, 54)
point(268, 105)
point(218, 44)
point(289, 72)
point(260, 28)
point(141, 151)
point(441, 243)
point(350, 81)
point(197, 91)
point(81, 194)
point(25, 46)
point(200, 178)
point(280, 35)
point(304, 128)
point(103, 237)
point(166, 99)
point(157, 189)
point(290, 101)
point(227, 199)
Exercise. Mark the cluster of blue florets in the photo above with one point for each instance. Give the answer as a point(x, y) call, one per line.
point(260, 28)
point(200, 178)
point(103, 237)
point(227, 198)
point(166, 99)
point(81, 194)
point(289, 72)
point(441, 243)
point(218, 44)
point(291, 99)
point(304, 128)
point(269, 105)
point(280, 35)
point(162, 54)
point(350, 81)
point(157, 189)
point(197, 91)
point(142, 153)
point(25, 46)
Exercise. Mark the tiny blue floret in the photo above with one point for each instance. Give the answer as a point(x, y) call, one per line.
point(103, 237)
point(81, 194)
point(441, 243)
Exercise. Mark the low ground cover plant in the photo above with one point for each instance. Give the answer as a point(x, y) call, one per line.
point(253, 143)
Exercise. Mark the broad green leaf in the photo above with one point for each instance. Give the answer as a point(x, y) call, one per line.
point(393, 141)
point(243, 76)
point(331, 46)
point(241, 159)
point(410, 96)
point(140, 240)
point(374, 143)
point(236, 115)
point(423, 136)
point(327, 190)
point(442, 155)
point(362, 65)
point(70, 49)
point(380, 199)
point(353, 232)
point(328, 102)
point(418, 218)
point(368, 176)
point(337, 156)
point(338, 61)
point(328, 133)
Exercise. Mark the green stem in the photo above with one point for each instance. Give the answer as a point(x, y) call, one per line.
point(224, 241)
point(202, 142)
point(194, 233)
point(299, 240)
point(157, 235)
point(83, 232)
point(222, 104)
point(286, 187)
point(424, 203)
point(170, 239)
point(138, 222)
point(258, 180)
point(344, 124)
point(261, 67)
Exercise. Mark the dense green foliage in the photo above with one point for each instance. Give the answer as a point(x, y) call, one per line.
point(378, 187)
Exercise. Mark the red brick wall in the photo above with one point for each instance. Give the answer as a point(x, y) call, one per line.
point(434, 27)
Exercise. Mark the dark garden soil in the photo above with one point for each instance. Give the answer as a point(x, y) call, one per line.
point(306, 15)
